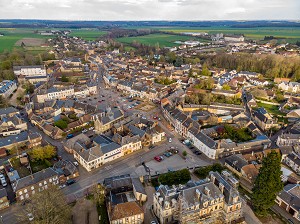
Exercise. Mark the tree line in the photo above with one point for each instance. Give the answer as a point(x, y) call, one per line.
point(19, 57)
point(271, 66)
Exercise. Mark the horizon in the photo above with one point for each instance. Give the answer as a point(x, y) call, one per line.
point(149, 10)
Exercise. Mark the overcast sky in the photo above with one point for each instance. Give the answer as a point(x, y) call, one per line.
point(150, 9)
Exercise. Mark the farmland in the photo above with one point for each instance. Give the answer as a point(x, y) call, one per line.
point(164, 40)
point(87, 34)
point(12, 36)
point(291, 34)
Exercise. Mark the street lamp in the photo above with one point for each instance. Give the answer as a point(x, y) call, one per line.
point(1, 219)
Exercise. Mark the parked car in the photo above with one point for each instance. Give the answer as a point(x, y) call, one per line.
point(62, 186)
point(167, 154)
point(76, 163)
point(84, 131)
point(3, 181)
point(30, 217)
point(170, 140)
point(70, 182)
point(151, 147)
point(158, 158)
point(70, 136)
point(91, 128)
point(197, 152)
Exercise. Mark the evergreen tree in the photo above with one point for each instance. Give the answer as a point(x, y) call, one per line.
point(267, 184)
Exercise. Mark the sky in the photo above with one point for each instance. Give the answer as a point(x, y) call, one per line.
point(151, 9)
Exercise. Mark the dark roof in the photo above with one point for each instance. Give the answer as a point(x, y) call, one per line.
point(33, 179)
point(206, 140)
point(236, 161)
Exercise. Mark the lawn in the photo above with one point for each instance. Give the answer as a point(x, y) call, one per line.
point(164, 40)
point(272, 109)
point(37, 166)
point(11, 36)
point(87, 34)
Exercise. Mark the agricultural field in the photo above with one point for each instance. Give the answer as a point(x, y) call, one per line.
point(87, 34)
point(290, 33)
point(12, 36)
point(164, 40)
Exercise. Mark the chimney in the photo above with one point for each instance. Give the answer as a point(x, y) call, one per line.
point(219, 144)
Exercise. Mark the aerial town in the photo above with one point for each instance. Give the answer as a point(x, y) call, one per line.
point(120, 137)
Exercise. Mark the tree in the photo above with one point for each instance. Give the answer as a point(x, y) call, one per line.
point(64, 78)
point(184, 153)
point(205, 70)
point(267, 184)
point(42, 153)
point(175, 178)
point(226, 87)
point(3, 102)
point(99, 193)
point(61, 124)
point(47, 207)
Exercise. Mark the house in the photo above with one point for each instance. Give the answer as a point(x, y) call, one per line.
point(8, 112)
point(96, 153)
point(66, 170)
point(293, 87)
point(209, 201)
point(234, 38)
point(293, 161)
point(29, 185)
point(104, 122)
point(7, 87)
point(206, 145)
point(128, 212)
point(4, 202)
point(263, 119)
point(32, 74)
point(123, 195)
point(289, 200)
point(235, 163)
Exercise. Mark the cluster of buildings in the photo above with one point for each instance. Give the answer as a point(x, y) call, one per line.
point(124, 137)
point(32, 74)
point(207, 139)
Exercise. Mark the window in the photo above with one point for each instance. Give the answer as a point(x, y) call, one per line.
point(25, 191)
point(20, 193)
point(32, 187)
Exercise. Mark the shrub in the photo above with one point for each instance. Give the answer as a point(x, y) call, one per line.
point(175, 178)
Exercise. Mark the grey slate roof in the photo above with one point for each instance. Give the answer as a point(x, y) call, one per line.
point(206, 140)
point(33, 179)
point(22, 137)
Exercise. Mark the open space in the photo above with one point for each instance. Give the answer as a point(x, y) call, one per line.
point(12, 36)
point(87, 34)
point(164, 40)
point(272, 109)
point(289, 33)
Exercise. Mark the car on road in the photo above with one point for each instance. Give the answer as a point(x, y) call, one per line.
point(154, 117)
point(153, 222)
point(62, 186)
point(170, 140)
point(70, 182)
point(158, 158)
point(70, 136)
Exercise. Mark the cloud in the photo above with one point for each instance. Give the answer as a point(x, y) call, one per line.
point(150, 9)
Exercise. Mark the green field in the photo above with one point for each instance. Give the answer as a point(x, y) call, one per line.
point(291, 34)
point(11, 36)
point(87, 34)
point(164, 40)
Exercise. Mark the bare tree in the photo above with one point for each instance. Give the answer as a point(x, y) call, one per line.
point(47, 207)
